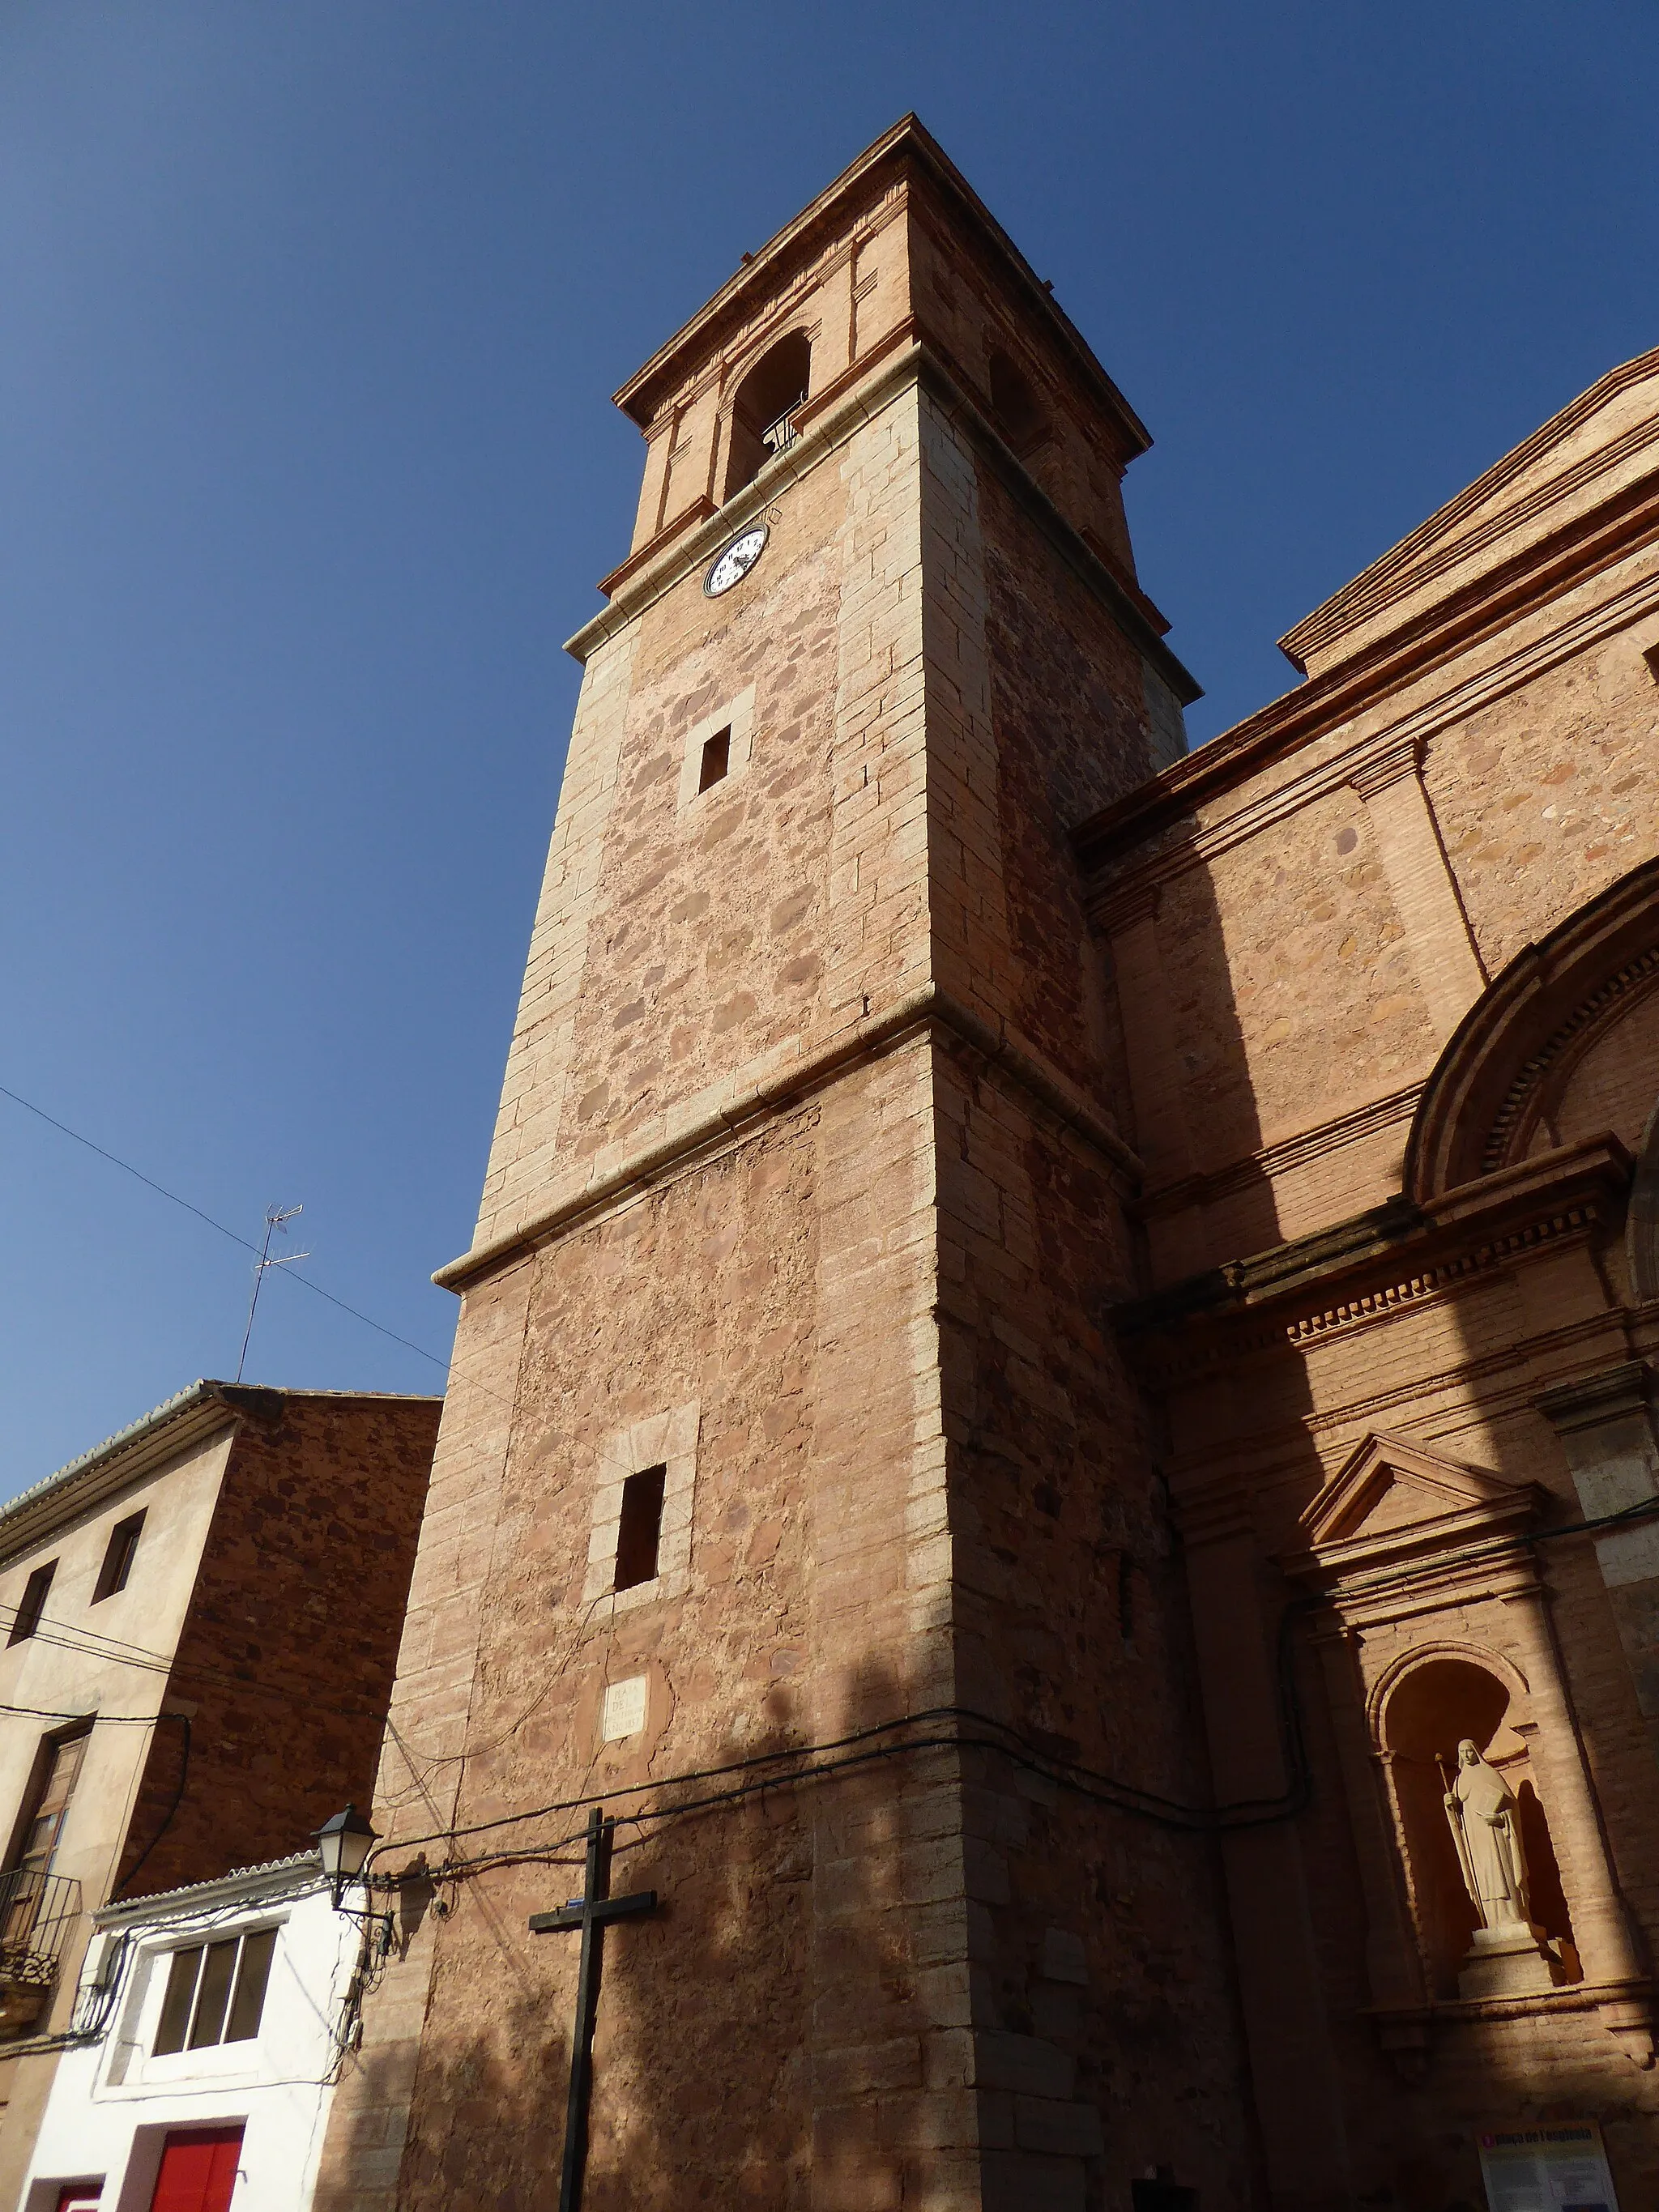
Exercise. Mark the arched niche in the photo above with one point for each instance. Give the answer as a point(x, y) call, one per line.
point(1015, 406)
point(1419, 1715)
point(1560, 1047)
point(761, 407)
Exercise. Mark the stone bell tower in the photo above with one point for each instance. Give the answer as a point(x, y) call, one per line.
point(791, 1496)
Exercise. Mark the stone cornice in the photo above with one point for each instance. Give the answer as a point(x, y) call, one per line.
point(1580, 550)
point(1615, 1394)
point(747, 1103)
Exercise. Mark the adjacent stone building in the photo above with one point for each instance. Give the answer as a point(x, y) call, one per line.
point(1056, 1330)
point(200, 1622)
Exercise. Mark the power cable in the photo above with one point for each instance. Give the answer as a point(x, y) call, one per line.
point(131, 1873)
point(173, 1197)
point(1127, 1797)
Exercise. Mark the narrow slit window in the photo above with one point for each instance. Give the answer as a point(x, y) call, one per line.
point(639, 1531)
point(716, 759)
point(118, 1559)
point(33, 1603)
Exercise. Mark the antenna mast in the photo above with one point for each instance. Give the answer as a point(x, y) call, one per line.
point(275, 1216)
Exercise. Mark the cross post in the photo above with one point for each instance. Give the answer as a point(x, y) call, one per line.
point(590, 1911)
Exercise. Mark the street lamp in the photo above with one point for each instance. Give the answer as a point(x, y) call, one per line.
point(342, 1845)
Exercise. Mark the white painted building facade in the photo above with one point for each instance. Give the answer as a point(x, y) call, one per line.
point(212, 2019)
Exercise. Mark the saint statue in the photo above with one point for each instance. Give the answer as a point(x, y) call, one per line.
point(1487, 1830)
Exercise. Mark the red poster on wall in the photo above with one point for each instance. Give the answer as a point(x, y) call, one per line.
point(199, 2170)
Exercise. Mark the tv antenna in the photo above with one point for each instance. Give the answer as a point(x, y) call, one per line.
point(275, 1216)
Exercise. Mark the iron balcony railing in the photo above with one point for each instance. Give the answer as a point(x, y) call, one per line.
point(37, 1911)
point(778, 437)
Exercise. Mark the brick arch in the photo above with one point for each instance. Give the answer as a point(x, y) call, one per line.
point(1459, 1651)
point(1520, 1042)
point(764, 388)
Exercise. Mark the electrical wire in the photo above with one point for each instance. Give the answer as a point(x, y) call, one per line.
point(173, 1197)
point(813, 1762)
point(131, 1873)
point(1127, 1797)
point(1006, 1741)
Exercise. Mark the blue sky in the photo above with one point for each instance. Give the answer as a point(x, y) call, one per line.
point(307, 467)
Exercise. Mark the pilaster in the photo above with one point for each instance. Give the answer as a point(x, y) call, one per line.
point(1443, 950)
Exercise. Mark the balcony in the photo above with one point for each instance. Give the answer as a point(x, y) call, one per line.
point(37, 1911)
point(778, 437)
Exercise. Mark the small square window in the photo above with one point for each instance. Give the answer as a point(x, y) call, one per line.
point(33, 1603)
point(716, 759)
point(119, 1557)
point(216, 1992)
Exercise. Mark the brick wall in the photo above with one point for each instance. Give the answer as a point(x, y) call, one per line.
point(286, 1659)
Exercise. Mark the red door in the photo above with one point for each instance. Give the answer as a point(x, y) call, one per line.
point(199, 2170)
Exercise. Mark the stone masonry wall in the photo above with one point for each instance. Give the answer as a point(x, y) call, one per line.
point(1109, 2039)
point(713, 1280)
point(1098, 1947)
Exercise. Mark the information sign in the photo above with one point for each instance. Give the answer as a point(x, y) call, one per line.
point(1555, 2169)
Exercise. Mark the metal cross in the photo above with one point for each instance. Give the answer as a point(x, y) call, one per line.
point(589, 1912)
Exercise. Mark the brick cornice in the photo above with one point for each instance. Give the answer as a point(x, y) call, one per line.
point(1363, 1270)
point(699, 511)
point(1165, 804)
point(1580, 549)
point(1315, 1142)
point(1126, 904)
point(1418, 559)
point(907, 150)
point(1390, 763)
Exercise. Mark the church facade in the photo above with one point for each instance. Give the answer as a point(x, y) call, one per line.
point(1052, 1406)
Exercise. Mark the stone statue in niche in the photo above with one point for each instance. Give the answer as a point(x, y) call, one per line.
point(1509, 1955)
point(1482, 1809)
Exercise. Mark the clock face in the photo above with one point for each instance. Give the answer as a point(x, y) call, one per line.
point(735, 564)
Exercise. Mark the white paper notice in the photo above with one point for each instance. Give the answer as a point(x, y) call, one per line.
point(1557, 2169)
